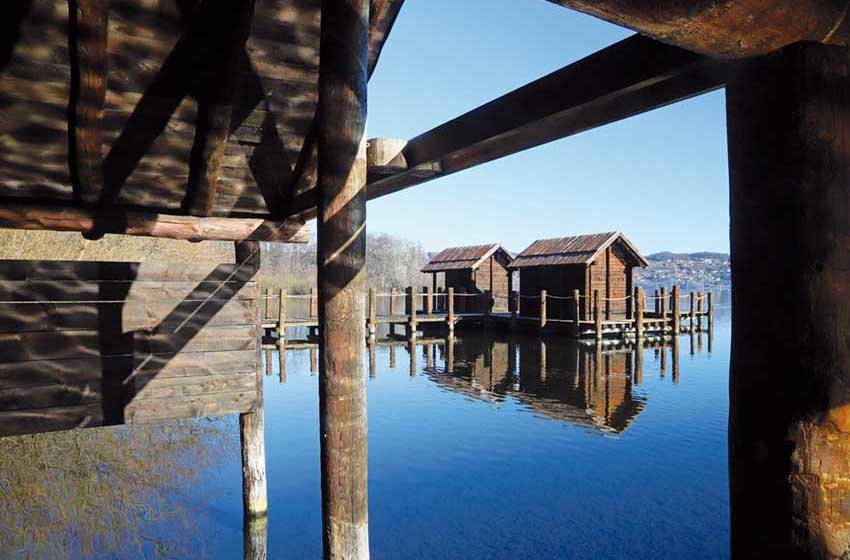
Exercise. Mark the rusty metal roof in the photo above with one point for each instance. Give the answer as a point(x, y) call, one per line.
point(459, 258)
point(579, 249)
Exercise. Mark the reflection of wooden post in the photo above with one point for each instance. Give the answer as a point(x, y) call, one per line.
point(675, 305)
point(576, 313)
point(638, 362)
point(429, 301)
point(450, 354)
point(251, 424)
point(542, 360)
point(411, 350)
point(373, 367)
point(429, 356)
point(488, 302)
point(542, 309)
point(314, 361)
point(268, 306)
point(676, 359)
point(693, 345)
point(663, 354)
point(373, 313)
point(341, 256)
point(450, 317)
point(255, 538)
point(392, 302)
point(597, 316)
point(281, 361)
point(392, 356)
point(268, 362)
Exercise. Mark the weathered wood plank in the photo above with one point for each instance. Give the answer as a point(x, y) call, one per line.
point(220, 404)
point(160, 272)
point(128, 222)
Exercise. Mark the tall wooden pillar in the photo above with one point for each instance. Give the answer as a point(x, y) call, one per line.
point(789, 423)
point(341, 257)
point(252, 424)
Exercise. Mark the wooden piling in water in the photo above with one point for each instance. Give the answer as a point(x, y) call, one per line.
point(597, 316)
point(662, 302)
point(429, 301)
point(269, 304)
point(450, 315)
point(373, 313)
point(674, 300)
point(699, 311)
point(281, 318)
point(411, 311)
point(692, 314)
point(542, 309)
point(251, 424)
point(639, 314)
point(576, 313)
point(341, 255)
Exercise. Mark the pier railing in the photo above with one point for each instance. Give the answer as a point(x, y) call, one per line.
point(580, 315)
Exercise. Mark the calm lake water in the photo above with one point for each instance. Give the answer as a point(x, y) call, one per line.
point(501, 454)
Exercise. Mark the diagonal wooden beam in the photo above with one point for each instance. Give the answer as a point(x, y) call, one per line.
point(633, 76)
point(382, 16)
point(231, 26)
point(88, 40)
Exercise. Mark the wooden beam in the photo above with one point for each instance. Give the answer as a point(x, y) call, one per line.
point(230, 25)
point(88, 38)
point(97, 222)
point(625, 79)
point(382, 16)
point(341, 268)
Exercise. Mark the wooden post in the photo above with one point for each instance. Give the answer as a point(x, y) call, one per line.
point(542, 360)
point(597, 316)
point(268, 306)
point(429, 301)
point(373, 313)
point(710, 310)
point(657, 301)
point(88, 41)
point(542, 309)
point(576, 313)
point(268, 362)
point(699, 311)
point(392, 356)
point(281, 361)
point(251, 424)
point(373, 367)
point(450, 353)
point(314, 303)
point(675, 358)
point(488, 303)
point(341, 256)
point(638, 373)
point(281, 317)
point(675, 304)
point(789, 386)
point(392, 302)
point(450, 317)
point(411, 350)
point(411, 302)
point(255, 538)
point(663, 306)
point(692, 313)
point(639, 314)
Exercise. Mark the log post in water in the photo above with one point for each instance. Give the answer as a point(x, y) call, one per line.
point(699, 311)
point(251, 424)
point(692, 313)
point(789, 423)
point(450, 316)
point(411, 312)
point(373, 314)
point(662, 302)
point(674, 304)
point(576, 313)
point(597, 316)
point(342, 276)
point(542, 309)
point(639, 314)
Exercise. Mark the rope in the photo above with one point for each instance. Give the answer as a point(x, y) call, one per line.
point(616, 299)
point(299, 296)
point(558, 297)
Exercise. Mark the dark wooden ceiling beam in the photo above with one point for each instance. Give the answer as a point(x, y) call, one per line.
point(727, 28)
point(88, 39)
point(382, 16)
point(97, 222)
point(633, 76)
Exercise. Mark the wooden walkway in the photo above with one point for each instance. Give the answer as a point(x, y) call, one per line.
point(428, 312)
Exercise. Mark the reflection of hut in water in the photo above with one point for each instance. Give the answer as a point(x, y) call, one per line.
point(559, 380)
point(567, 382)
point(474, 270)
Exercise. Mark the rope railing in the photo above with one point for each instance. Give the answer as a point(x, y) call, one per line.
point(615, 299)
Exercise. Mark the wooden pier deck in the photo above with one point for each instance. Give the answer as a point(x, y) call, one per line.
point(428, 311)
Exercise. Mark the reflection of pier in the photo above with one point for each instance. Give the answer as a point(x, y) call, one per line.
point(564, 380)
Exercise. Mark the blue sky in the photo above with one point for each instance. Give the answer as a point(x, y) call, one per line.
point(660, 177)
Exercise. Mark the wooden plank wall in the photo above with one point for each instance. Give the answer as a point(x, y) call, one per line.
point(149, 117)
point(87, 344)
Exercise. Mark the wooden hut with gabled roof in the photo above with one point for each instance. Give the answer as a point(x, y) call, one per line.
point(602, 262)
point(475, 269)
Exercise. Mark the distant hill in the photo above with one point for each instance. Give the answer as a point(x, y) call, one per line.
point(692, 271)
